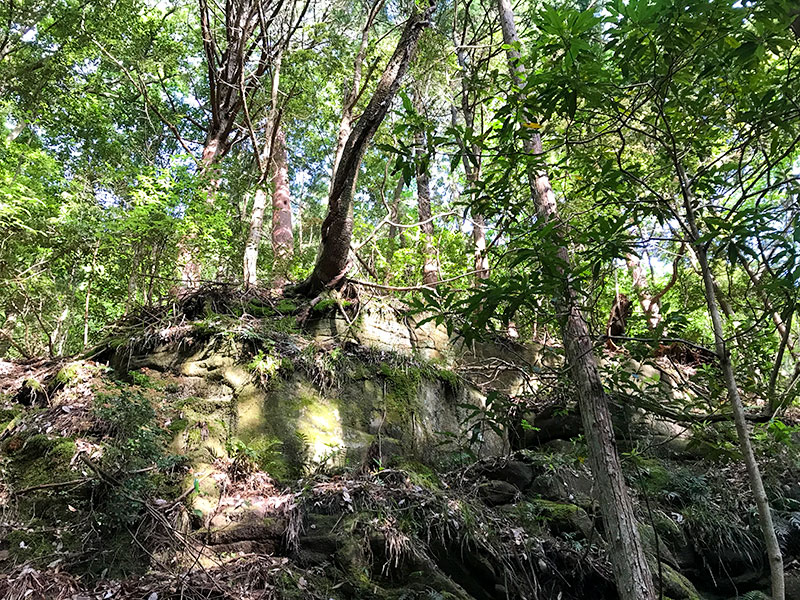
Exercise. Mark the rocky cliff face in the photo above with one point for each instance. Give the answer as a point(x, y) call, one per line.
point(233, 455)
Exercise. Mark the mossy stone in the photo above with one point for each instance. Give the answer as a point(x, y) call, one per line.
point(41, 460)
point(676, 586)
point(8, 416)
point(560, 518)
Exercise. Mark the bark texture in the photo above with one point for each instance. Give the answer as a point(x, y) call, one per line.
point(632, 574)
point(282, 236)
point(337, 228)
point(236, 61)
point(479, 241)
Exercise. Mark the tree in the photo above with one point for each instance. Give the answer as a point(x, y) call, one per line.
point(470, 42)
point(282, 237)
point(710, 160)
point(631, 570)
point(337, 228)
point(239, 48)
point(430, 262)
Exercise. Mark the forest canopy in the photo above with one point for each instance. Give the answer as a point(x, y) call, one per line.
point(604, 177)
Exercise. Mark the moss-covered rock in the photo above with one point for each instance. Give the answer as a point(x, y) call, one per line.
point(560, 518)
point(39, 459)
point(676, 586)
point(38, 542)
point(402, 394)
point(8, 416)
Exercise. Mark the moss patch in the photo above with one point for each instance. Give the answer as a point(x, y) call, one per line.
point(420, 474)
point(32, 544)
point(559, 518)
point(402, 394)
point(676, 586)
point(41, 460)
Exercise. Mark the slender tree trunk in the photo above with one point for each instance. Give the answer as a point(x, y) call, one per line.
point(753, 472)
point(282, 236)
point(337, 228)
point(254, 238)
point(346, 122)
point(394, 214)
point(479, 241)
point(430, 263)
point(632, 574)
point(472, 170)
point(88, 296)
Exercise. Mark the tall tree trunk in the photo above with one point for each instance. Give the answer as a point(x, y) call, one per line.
point(394, 213)
point(472, 170)
point(254, 237)
point(479, 241)
point(282, 236)
point(353, 94)
point(337, 228)
point(753, 472)
point(88, 296)
point(631, 571)
point(430, 262)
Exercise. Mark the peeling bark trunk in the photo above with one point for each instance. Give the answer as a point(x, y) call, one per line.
point(774, 556)
point(430, 263)
point(282, 236)
point(632, 574)
point(337, 228)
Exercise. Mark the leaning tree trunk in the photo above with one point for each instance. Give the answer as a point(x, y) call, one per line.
point(753, 472)
point(282, 236)
point(430, 263)
point(337, 228)
point(632, 574)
